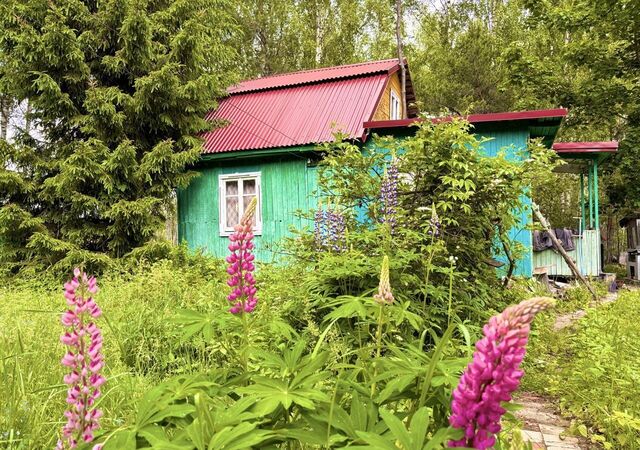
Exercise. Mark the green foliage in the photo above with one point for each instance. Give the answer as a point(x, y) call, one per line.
point(287, 35)
point(593, 370)
point(119, 90)
point(457, 58)
point(317, 381)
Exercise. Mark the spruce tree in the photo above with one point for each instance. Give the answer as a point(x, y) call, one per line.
point(118, 91)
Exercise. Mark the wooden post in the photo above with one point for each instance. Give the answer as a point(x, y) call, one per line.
point(558, 245)
point(403, 69)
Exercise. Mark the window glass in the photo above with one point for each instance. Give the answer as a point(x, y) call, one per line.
point(395, 106)
point(237, 191)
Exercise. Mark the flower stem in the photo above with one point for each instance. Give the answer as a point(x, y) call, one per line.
point(378, 347)
point(245, 347)
point(450, 293)
point(426, 281)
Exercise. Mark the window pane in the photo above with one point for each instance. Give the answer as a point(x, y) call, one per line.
point(232, 187)
point(249, 187)
point(233, 216)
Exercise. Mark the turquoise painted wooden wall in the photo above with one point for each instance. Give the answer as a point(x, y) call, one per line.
point(514, 141)
point(287, 183)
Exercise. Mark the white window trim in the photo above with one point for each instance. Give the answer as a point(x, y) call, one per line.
point(222, 200)
point(394, 97)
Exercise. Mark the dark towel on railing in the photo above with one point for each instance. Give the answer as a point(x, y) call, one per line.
point(565, 236)
point(542, 240)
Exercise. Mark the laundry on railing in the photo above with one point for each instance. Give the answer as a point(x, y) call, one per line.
point(542, 240)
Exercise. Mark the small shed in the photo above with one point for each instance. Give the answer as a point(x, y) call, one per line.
point(632, 224)
point(583, 159)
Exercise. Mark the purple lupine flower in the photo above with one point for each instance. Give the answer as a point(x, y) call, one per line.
point(329, 230)
point(493, 375)
point(384, 294)
point(337, 227)
point(241, 267)
point(84, 358)
point(389, 196)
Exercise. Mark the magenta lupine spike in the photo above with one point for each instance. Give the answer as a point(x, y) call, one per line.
point(493, 375)
point(84, 360)
point(241, 267)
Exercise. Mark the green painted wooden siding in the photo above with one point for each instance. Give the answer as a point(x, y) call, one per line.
point(287, 185)
point(586, 255)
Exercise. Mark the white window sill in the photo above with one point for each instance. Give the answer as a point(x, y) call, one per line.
point(228, 233)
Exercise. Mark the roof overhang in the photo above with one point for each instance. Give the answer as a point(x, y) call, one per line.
point(581, 148)
point(557, 114)
point(542, 123)
point(580, 155)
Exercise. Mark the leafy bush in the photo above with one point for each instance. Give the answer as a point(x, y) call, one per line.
point(453, 209)
point(594, 370)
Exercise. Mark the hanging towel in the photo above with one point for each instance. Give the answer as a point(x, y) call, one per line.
point(542, 240)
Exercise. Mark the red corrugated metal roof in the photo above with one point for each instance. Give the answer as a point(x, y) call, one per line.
point(316, 75)
point(298, 110)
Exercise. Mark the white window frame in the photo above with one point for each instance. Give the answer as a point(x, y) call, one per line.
point(394, 100)
point(222, 200)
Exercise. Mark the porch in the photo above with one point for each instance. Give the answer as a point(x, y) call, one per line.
point(584, 159)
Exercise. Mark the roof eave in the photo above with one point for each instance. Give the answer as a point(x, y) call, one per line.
point(558, 113)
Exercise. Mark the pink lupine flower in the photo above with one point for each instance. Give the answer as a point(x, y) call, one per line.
point(493, 375)
point(384, 294)
point(84, 342)
point(241, 267)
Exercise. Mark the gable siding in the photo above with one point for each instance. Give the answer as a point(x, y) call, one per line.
point(383, 110)
point(287, 186)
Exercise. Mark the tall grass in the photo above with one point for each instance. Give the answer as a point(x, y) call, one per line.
point(142, 346)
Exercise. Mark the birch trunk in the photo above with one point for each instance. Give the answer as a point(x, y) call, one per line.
point(403, 70)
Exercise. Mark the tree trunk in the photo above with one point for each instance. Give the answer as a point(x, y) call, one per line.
point(27, 117)
point(403, 69)
point(4, 118)
point(556, 243)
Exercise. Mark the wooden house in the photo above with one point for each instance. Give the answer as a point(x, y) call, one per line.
point(266, 147)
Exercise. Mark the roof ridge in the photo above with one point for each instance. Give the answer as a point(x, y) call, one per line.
point(318, 69)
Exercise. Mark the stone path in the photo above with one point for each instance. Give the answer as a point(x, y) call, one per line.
point(541, 425)
point(566, 320)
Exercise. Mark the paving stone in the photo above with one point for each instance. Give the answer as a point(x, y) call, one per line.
point(551, 429)
point(532, 436)
point(565, 447)
point(561, 439)
point(538, 446)
point(560, 445)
